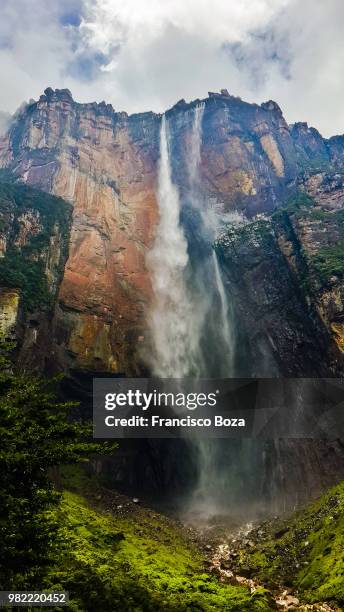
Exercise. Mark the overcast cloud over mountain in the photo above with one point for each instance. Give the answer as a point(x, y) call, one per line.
point(145, 54)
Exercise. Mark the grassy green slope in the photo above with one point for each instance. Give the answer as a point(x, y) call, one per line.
point(306, 552)
point(136, 562)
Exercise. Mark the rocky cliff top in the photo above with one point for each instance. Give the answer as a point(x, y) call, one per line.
point(66, 96)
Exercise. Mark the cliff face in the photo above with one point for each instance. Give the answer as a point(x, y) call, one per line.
point(33, 250)
point(105, 164)
point(285, 275)
point(247, 153)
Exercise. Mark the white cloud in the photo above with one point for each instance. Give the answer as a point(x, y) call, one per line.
point(171, 49)
point(309, 36)
point(145, 20)
point(146, 54)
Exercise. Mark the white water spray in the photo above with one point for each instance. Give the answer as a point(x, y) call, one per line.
point(225, 317)
point(181, 315)
point(173, 321)
point(207, 496)
point(210, 229)
point(194, 155)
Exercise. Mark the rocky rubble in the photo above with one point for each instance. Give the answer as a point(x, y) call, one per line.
point(298, 559)
point(223, 562)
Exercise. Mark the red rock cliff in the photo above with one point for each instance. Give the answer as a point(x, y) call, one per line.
point(105, 164)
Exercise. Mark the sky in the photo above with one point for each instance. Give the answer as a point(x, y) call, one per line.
point(147, 54)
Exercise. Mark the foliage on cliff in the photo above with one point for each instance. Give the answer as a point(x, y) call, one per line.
point(36, 434)
point(24, 266)
point(306, 552)
point(328, 228)
point(329, 261)
point(314, 262)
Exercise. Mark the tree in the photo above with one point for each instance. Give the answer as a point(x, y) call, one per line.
point(37, 433)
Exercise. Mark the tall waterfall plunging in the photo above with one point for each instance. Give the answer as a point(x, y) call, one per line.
point(174, 326)
point(194, 155)
point(214, 474)
point(191, 319)
point(211, 293)
point(225, 317)
point(183, 340)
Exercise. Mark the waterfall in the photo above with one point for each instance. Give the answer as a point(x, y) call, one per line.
point(173, 321)
point(191, 325)
point(190, 321)
point(225, 317)
point(194, 154)
point(209, 276)
point(214, 475)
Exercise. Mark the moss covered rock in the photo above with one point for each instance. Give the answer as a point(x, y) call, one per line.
point(305, 552)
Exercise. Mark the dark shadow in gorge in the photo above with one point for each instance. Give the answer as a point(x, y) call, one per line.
point(254, 477)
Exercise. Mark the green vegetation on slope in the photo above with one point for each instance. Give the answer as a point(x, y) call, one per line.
point(306, 552)
point(328, 261)
point(315, 268)
point(140, 562)
point(260, 233)
point(18, 272)
point(36, 435)
point(298, 204)
point(25, 267)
